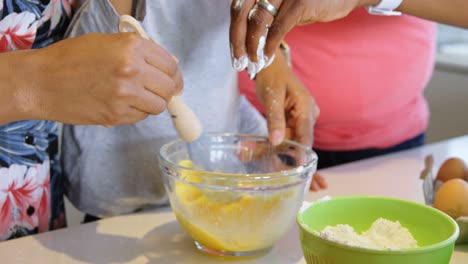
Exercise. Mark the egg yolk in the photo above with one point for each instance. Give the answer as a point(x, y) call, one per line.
point(248, 222)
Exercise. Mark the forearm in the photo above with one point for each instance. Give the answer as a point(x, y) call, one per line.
point(16, 101)
point(452, 12)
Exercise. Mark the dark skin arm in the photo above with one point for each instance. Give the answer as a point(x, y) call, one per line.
point(248, 27)
point(452, 12)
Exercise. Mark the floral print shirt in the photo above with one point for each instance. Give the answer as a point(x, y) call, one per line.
point(31, 194)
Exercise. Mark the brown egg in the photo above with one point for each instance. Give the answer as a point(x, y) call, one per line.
point(452, 198)
point(453, 168)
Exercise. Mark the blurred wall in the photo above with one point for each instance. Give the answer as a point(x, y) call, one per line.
point(447, 95)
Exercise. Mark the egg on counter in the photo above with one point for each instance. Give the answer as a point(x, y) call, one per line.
point(452, 198)
point(452, 168)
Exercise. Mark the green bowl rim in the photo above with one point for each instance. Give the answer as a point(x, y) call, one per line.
point(417, 250)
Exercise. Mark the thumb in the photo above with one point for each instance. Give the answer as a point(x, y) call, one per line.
point(274, 110)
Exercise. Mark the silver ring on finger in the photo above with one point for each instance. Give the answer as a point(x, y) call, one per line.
point(267, 6)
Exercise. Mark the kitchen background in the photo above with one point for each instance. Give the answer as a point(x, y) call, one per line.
point(447, 94)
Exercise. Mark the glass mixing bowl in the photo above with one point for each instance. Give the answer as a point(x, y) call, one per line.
point(237, 214)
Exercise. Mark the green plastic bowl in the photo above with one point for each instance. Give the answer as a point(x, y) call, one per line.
point(434, 231)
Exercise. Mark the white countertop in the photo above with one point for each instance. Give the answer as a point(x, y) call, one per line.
point(155, 237)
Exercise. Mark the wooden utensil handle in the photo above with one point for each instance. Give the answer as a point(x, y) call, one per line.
point(130, 24)
point(185, 121)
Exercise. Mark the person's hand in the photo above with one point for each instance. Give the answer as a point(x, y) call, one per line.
point(255, 33)
point(286, 158)
point(290, 110)
point(318, 183)
point(101, 79)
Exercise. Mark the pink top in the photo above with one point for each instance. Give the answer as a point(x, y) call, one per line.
point(367, 74)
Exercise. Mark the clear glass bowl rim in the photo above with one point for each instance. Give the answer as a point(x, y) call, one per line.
point(244, 177)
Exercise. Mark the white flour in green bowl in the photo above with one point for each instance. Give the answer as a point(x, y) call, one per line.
point(383, 234)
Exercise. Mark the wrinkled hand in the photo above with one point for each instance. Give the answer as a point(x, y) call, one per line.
point(103, 79)
point(288, 104)
point(255, 33)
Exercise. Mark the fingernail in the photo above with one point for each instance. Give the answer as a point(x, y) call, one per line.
point(175, 58)
point(252, 69)
point(270, 60)
point(277, 137)
point(241, 63)
point(238, 4)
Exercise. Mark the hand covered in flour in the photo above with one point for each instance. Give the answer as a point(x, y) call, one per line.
point(256, 33)
point(99, 79)
point(290, 110)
